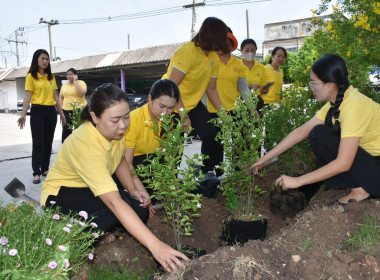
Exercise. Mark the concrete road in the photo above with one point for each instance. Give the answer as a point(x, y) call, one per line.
point(16, 152)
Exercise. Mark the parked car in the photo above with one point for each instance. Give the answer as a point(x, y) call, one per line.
point(137, 99)
point(20, 104)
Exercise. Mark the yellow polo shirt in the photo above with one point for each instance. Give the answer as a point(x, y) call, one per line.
point(226, 83)
point(85, 159)
point(271, 75)
point(256, 75)
point(140, 134)
point(198, 69)
point(69, 92)
point(42, 89)
point(359, 117)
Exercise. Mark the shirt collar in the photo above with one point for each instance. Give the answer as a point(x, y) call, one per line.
point(105, 143)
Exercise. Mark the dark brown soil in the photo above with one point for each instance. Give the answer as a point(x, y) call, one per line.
point(308, 245)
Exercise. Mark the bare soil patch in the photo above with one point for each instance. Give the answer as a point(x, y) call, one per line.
point(308, 245)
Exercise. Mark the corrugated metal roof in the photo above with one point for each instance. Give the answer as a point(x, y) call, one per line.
point(116, 59)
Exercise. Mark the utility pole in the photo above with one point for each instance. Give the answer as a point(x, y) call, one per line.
point(194, 15)
point(17, 41)
point(50, 23)
point(246, 16)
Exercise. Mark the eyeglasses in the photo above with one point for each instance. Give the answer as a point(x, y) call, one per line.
point(280, 56)
point(312, 86)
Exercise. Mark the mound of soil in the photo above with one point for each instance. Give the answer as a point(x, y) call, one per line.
point(307, 245)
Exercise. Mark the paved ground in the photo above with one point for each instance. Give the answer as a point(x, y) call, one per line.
point(16, 151)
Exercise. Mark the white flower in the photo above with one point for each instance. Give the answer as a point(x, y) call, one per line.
point(162, 114)
point(163, 150)
point(146, 122)
point(199, 205)
point(181, 109)
point(161, 119)
point(253, 135)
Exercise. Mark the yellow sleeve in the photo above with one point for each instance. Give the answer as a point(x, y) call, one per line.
point(321, 114)
point(241, 73)
point(215, 66)
point(54, 83)
point(29, 84)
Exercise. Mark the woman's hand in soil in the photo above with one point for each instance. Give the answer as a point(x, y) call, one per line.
point(287, 182)
point(260, 164)
point(168, 257)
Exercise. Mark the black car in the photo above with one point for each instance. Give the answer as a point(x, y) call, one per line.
point(137, 99)
point(20, 104)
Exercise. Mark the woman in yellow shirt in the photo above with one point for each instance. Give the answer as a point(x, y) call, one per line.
point(80, 178)
point(72, 91)
point(344, 135)
point(194, 68)
point(41, 91)
point(140, 138)
point(274, 76)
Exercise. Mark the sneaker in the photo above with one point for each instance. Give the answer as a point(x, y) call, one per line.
point(36, 179)
point(188, 141)
point(197, 138)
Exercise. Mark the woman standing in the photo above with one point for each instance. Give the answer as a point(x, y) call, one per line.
point(344, 135)
point(194, 68)
point(41, 91)
point(81, 176)
point(72, 91)
point(141, 140)
point(274, 77)
point(231, 82)
point(254, 70)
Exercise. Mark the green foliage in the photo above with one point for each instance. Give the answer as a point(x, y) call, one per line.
point(172, 185)
point(367, 236)
point(297, 107)
point(353, 33)
point(241, 133)
point(75, 115)
point(44, 245)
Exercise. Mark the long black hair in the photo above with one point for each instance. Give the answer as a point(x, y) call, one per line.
point(102, 98)
point(34, 66)
point(331, 68)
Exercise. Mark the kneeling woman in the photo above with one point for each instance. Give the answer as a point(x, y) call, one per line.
point(140, 138)
point(344, 135)
point(80, 178)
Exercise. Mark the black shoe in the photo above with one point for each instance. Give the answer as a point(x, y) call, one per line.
point(36, 181)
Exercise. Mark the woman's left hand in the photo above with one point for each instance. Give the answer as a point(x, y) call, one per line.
point(142, 196)
point(63, 118)
point(287, 182)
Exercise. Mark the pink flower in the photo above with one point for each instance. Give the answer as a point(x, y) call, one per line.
point(48, 241)
point(62, 248)
point(90, 256)
point(19, 264)
point(56, 217)
point(81, 223)
point(52, 265)
point(1, 224)
point(83, 214)
point(4, 251)
point(94, 224)
point(66, 229)
point(66, 263)
point(3, 241)
point(13, 252)
point(69, 225)
point(52, 202)
point(95, 235)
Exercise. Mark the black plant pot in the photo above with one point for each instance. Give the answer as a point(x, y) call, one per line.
point(237, 231)
point(208, 185)
point(286, 203)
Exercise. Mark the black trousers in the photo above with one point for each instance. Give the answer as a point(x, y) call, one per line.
point(43, 120)
point(83, 199)
point(200, 117)
point(364, 172)
point(65, 128)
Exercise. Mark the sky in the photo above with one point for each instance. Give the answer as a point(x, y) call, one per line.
point(148, 23)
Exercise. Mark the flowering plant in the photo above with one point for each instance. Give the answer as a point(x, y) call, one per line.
point(241, 133)
point(297, 107)
point(173, 186)
point(44, 245)
point(75, 115)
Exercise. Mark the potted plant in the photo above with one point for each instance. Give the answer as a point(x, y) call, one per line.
point(241, 133)
point(174, 186)
point(75, 115)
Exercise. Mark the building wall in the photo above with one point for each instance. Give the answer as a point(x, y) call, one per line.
point(8, 96)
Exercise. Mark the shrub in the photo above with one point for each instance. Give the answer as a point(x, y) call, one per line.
point(75, 115)
point(172, 185)
point(241, 133)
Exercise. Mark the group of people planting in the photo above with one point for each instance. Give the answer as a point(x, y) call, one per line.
point(93, 167)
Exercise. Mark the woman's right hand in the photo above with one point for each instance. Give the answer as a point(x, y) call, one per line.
point(168, 257)
point(263, 161)
point(21, 121)
point(186, 123)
